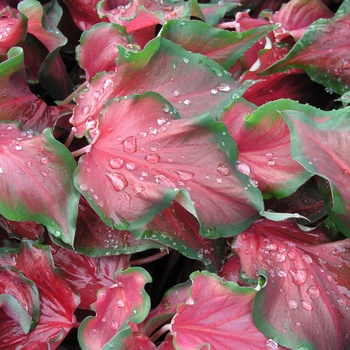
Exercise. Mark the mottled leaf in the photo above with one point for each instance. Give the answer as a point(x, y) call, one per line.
point(57, 300)
point(117, 306)
point(36, 181)
point(320, 142)
point(306, 300)
point(143, 157)
point(220, 316)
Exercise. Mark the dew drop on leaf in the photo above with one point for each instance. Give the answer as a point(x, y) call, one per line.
point(152, 158)
point(313, 292)
point(271, 345)
point(298, 276)
point(120, 303)
point(184, 175)
point(86, 109)
point(118, 181)
point(116, 163)
point(107, 84)
point(129, 145)
point(161, 120)
point(18, 147)
point(306, 305)
point(243, 168)
point(292, 304)
point(130, 166)
point(187, 102)
point(222, 169)
point(223, 88)
point(114, 325)
point(165, 181)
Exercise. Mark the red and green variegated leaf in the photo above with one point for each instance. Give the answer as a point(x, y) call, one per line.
point(166, 308)
point(86, 274)
point(178, 229)
point(13, 27)
point(143, 158)
point(37, 181)
point(315, 52)
point(264, 158)
point(52, 73)
point(220, 45)
point(57, 300)
point(306, 300)
point(117, 306)
point(214, 12)
point(320, 142)
point(19, 298)
point(295, 16)
point(220, 316)
point(93, 237)
point(193, 83)
point(22, 229)
point(102, 37)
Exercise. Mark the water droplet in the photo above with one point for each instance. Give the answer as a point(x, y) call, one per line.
point(271, 162)
point(243, 168)
point(184, 175)
point(130, 144)
point(165, 181)
point(166, 109)
point(341, 301)
point(153, 131)
point(103, 319)
point(143, 134)
point(307, 258)
point(120, 303)
point(43, 173)
point(186, 60)
point(187, 102)
point(272, 247)
point(18, 147)
point(223, 88)
point(161, 121)
point(44, 160)
point(1, 170)
point(94, 330)
point(107, 84)
point(313, 292)
point(269, 155)
point(291, 255)
point(306, 305)
point(176, 93)
point(292, 304)
point(57, 233)
point(218, 180)
point(282, 273)
point(114, 326)
point(116, 163)
point(86, 109)
point(298, 276)
point(223, 170)
point(130, 166)
point(152, 158)
point(214, 91)
point(118, 181)
point(138, 189)
point(271, 345)
point(254, 183)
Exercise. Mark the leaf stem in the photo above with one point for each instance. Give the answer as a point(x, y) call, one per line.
point(150, 258)
point(70, 97)
point(70, 139)
point(160, 332)
point(81, 151)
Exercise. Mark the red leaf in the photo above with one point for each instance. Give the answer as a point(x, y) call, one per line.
point(102, 37)
point(266, 159)
point(36, 173)
point(192, 83)
point(220, 316)
point(22, 229)
point(57, 300)
point(87, 274)
point(19, 299)
point(306, 299)
point(121, 304)
point(142, 159)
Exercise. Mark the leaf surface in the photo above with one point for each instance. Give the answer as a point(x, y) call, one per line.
point(315, 52)
point(37, 185)
point(306, 300)
point(57, 300)
point(320, 142)
point(142, 160)
point(117, 306)
point(220, 316)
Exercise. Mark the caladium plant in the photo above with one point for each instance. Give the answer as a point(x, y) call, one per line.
point(174, 174)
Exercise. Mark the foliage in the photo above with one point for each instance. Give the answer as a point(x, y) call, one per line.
point(174, 174)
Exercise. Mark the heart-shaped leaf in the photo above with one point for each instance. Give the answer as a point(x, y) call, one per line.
point(57, 300)
point(36, 181)
point(220, 316)
point(320, 142)
point(19, 298)
point(142, 157)
point(306, 300)
point(117, 306)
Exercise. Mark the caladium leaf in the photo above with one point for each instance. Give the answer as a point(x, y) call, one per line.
point(36, 181)
point(214, 12)
point(316, 54)
point(19, 298)
point(178, 229)
point(93, 237)
point(295, 16)
point(219, 45)
point(13, 27)
point(306, 300)
point(117, 306)
point(87, 275)
point(102, 37)
point(220, 316)
point(264, 158)
point(52, 74)
point(23, 229)
point(57, 300)
point(319, 142)
point(192, 83)
point(143, 156)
